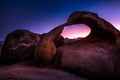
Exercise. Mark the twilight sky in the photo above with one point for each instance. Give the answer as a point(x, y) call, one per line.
point(40, 16)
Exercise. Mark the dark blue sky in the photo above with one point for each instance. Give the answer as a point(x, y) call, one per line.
point(42, 15)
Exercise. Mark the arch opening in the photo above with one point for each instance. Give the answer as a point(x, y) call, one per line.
point(76, 31)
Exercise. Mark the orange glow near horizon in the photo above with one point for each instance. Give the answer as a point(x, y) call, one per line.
point(75, 31)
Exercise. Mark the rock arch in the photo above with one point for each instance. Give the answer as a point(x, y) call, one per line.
point(97, 55)
point(99, 27)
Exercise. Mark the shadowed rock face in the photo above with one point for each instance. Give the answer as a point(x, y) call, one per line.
point(59, 41)
point(1, 44)
point(19, 46)
point(97, 55)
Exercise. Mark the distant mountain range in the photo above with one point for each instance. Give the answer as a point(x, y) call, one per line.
point(68, 40)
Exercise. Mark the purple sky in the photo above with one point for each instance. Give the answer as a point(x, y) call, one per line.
point(40, 16)
point(75, 31)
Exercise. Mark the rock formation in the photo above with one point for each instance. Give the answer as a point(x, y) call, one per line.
point(19, 46)
point(59, 41)
point(45, 50)
point(95, 57)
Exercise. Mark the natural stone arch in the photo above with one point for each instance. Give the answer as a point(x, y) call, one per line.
point(97, 55)
point(99, 27)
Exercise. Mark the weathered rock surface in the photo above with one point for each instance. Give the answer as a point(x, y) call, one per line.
point(95, 57)
point(19, 46)
point(26, 71)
